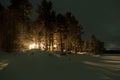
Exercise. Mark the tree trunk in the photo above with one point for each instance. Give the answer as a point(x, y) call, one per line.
point(61, 42)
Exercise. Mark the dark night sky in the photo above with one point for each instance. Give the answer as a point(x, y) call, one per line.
point(99, 17)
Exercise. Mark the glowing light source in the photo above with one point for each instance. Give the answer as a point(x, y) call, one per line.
point(42, 46)
point(55, 45)
point(33, 46)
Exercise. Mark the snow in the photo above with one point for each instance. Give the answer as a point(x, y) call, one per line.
point(3, 64)
point(40, 65)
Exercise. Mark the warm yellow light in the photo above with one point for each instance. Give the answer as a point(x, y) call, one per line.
point(55, 45)
point(33, 46)
point(42, 46)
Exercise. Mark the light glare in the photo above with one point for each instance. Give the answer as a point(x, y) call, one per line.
point(33, 46)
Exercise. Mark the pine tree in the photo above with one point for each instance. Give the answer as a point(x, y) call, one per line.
point(96, 46)
point(85, 46)
point(1, 8)
point(74, 32)
point(14, 16)
point(61, 30)
point(1, 25)
point(45, 21)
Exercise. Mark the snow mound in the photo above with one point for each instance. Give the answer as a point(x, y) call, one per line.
point(3, 64)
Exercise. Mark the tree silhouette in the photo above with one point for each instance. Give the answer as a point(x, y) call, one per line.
point(14, 16)
point(96, 46)
point(1, 25)
point(74, 32)
point(85, 46)
point(45, 20)
point(59, 29)
point(57, 32)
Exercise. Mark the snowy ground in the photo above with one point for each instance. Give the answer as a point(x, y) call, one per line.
point(38, 65)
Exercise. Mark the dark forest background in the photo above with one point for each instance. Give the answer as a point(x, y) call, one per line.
point(17, 30)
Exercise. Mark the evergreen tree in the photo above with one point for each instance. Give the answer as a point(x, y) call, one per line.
point(49, 29)
point(1, 25)
point(96, 46)
point(1, 8)
point(45, 21)
point(85, 46)
point(60, 19)
point(74, 32)
point(14, 16)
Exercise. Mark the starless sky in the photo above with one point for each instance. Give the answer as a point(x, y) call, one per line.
point(99, 17)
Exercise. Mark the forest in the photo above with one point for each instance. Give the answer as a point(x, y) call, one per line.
point(50, 31)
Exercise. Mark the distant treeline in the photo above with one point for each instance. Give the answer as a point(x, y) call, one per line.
point(112, 52)
point(50, 31)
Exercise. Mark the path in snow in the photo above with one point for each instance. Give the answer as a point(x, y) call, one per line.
point(42, 66)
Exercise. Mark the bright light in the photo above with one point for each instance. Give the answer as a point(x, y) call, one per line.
point(39, 46)
point(33, 46)
point(42, 46)
point(55, 45)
